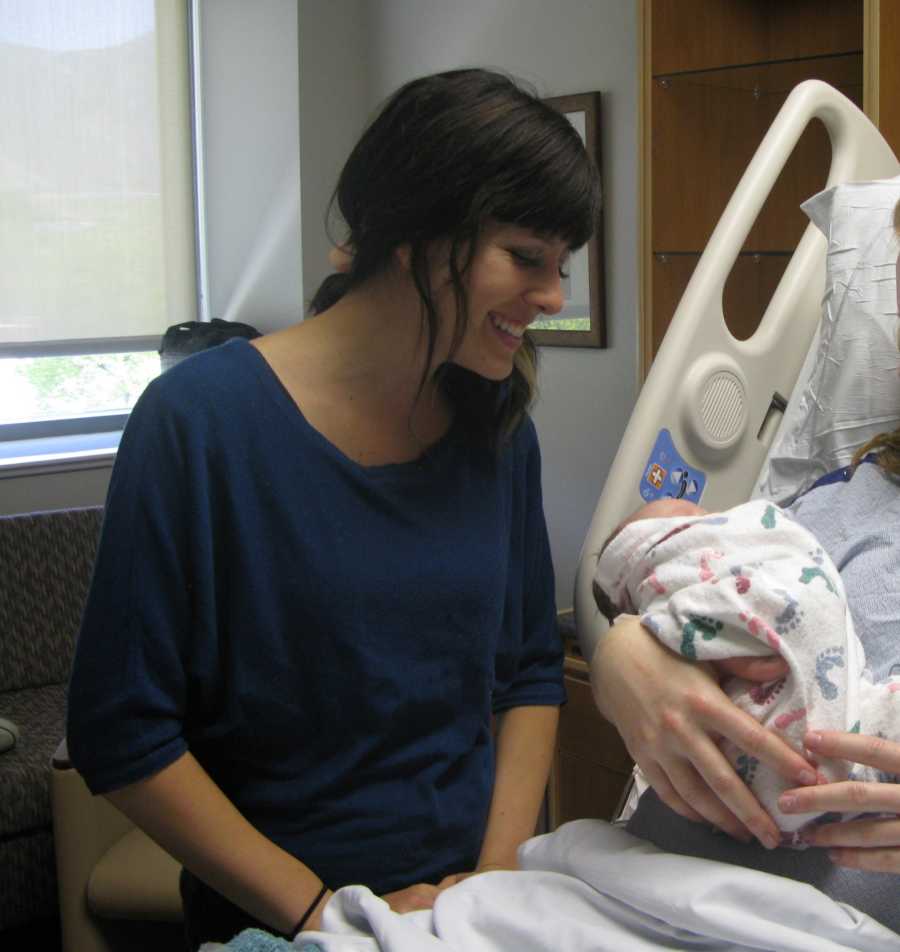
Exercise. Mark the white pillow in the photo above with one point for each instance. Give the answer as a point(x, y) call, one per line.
point(852, 387)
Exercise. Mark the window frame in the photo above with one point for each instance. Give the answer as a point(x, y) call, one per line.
point(71, 441)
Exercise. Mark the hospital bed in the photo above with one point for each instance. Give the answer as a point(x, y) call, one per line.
point(713, 406)
point(724, 419)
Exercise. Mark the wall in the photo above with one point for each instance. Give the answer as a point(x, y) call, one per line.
point(251, 158)
point(353, 53)
point(569, 46)
point(35, 491)
point(334, 107)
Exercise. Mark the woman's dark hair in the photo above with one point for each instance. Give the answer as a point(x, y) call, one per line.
point(446, 154)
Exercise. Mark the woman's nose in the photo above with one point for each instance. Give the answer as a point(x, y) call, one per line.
point(548, 297)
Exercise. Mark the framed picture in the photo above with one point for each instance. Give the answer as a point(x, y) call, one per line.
point(582, 321)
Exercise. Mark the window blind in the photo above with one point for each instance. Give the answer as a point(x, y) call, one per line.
point(96, 216)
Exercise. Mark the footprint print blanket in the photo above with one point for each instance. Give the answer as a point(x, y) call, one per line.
point(751, 581)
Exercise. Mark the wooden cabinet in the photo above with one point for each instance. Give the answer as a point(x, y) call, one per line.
point(591, 765)
point(714, 75)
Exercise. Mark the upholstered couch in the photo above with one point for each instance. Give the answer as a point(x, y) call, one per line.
point(109, 873)
point(45, 569)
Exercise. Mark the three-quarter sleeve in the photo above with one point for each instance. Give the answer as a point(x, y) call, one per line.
point(529, 664)
point(127, 691)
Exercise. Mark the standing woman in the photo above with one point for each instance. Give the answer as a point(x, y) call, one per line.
point(324, 569)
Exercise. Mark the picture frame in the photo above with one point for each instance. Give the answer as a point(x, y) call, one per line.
point(582, 321)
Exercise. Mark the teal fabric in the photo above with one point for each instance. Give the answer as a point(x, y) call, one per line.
point(255, 940)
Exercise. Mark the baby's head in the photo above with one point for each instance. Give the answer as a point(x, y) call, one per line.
point(663, 509)
point(658, 509)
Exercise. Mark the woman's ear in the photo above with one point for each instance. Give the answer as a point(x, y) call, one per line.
point(341, 258)
point(403, 256)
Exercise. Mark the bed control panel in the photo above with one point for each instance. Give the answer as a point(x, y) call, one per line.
point(667, 475)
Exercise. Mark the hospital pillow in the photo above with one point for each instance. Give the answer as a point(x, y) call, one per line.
point(849, 388)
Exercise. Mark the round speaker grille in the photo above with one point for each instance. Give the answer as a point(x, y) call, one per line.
point(722, 406)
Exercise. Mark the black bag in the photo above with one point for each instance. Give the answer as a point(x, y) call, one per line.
point(181, 340)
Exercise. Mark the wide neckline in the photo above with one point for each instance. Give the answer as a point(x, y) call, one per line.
point(282, 398)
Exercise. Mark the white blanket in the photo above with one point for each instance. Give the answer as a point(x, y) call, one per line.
point(591, 887)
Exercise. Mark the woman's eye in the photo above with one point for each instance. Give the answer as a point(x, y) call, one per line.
point(529, 259)
point(526, 259)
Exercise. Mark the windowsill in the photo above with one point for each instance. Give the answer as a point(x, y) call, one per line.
point(58, 454)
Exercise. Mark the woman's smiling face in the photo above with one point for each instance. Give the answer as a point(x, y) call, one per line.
point(513, 278)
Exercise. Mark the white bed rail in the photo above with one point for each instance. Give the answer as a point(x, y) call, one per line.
point(711, 391)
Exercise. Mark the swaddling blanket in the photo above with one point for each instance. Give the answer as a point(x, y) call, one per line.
point(751, 581)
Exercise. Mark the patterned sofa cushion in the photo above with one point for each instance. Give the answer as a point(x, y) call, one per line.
point(25, 770)
point(47, 559)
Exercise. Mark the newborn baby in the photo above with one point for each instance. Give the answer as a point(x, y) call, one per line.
point(751, 581)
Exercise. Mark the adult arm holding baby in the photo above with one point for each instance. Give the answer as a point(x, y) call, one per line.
point(670, 711)
point(673, 715)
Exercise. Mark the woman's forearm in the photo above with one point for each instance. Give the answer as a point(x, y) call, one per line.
point(190, 817)
point(525, 740)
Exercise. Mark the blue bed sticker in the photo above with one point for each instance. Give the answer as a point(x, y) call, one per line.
point(667, 475)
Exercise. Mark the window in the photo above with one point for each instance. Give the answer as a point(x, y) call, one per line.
point(96, 207)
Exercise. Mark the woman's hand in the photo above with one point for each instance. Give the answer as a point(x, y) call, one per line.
point(455, 878)
point(872, 844)
point(413, 898)
point(423, 895)
point(670, 713)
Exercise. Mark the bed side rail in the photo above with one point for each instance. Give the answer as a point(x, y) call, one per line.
point(710, 391)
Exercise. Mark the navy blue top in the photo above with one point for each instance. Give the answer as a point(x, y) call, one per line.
point(329, 640)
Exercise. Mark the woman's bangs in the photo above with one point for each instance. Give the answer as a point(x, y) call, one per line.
point(564, 206)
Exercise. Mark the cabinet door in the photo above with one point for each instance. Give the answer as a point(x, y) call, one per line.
point(591, 766)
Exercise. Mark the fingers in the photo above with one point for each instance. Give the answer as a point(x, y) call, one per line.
point(694, 789)
point(413, 898)
point(658, 779)
point(753, 669)
point(849, 796)
point(752, 738)
point(859, 748)
point(721, 796)
point(871, 844)
point(870, 833)
point(873, 860)
point(452, 880)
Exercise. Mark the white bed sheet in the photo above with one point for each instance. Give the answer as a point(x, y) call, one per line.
point(592, 887)
point(849, 388)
